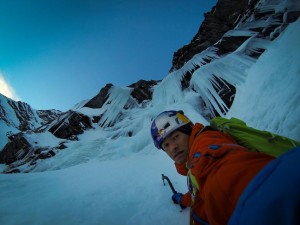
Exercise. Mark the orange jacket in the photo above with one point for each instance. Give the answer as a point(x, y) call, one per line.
point(222, 169)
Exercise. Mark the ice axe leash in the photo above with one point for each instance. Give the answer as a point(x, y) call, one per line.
point(171, 186)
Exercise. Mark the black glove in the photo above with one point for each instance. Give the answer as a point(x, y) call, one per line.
point(176, 197)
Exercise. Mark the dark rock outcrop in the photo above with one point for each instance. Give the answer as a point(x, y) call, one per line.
point(72, 124)
point(224, 17)
point(99, 100)
point(15, 150)
point(48, 115)
point(216, 23)
point(142, 90)
point(19, 151)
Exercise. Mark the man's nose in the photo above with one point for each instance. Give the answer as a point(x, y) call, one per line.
point(173, 146)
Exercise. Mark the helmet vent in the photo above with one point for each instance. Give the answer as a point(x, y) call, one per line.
point(166, 125)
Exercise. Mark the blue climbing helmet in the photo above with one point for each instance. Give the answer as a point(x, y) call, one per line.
point(166, 123)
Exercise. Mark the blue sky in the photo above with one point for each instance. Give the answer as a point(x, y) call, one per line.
point(55, 53)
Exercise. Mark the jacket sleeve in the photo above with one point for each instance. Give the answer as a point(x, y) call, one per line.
point(186, 199)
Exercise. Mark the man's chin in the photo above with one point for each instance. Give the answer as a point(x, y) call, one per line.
point(180, 158)
point(180, 161)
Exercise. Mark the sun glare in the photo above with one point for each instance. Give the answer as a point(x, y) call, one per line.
point(6, 89)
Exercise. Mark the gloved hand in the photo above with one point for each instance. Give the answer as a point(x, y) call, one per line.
point(177, 199)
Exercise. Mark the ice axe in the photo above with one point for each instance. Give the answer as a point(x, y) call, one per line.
point(171, 186)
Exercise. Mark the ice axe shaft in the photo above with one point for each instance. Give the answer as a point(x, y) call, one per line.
point(169, 182)
point(171, 186)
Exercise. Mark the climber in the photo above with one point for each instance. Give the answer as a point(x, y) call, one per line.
point(217, 168)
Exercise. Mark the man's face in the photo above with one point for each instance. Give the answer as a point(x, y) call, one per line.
point(176, 145)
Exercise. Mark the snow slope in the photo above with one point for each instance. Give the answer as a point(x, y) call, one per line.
point(110, 178)
point(123, 191)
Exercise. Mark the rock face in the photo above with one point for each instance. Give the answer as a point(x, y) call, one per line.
point(73, 124)
point(142, 90)
point(218, 21)
point(19, 151)
point(15, 150)
point(48, 115)
point(99, 99)
point(225, 17)
point(22, 116)
point(18, 114)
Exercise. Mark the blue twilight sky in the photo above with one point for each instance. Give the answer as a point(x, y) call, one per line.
point(56, 53)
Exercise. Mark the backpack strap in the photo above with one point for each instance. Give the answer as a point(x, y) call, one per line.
point(206, 128)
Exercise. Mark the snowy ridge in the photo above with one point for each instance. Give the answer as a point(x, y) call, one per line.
point(7, 113)
point(16, 117)
point(31, 115)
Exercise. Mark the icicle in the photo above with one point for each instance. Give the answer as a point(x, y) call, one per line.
point(231, 68)
point(170, 87)
point(114, 105)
